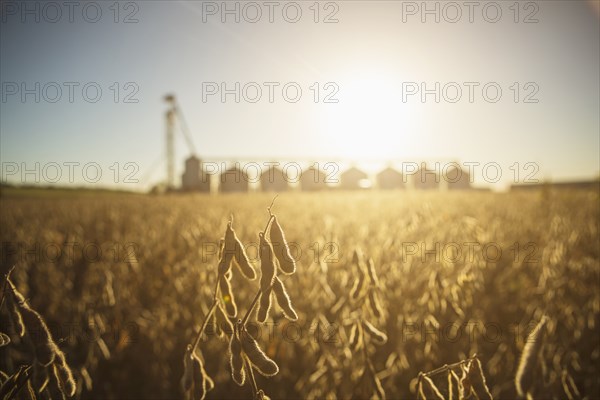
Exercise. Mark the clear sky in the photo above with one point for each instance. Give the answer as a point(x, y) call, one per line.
point(377, 58)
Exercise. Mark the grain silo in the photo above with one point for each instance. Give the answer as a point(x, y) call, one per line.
point(273, 180)
point(457, 179)
point(353, 179)
point(193, 178)
point(233, 180)
point(425, 179)
point(313, 179)
point(389, 179)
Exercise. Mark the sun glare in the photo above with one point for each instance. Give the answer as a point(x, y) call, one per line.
point(369, 121)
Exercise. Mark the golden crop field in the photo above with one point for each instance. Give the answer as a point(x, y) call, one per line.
point(396, 294)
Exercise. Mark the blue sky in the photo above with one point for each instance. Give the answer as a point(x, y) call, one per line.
point(370, 57)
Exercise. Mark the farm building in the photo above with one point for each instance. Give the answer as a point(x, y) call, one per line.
point(457, 179)
point(354, 178)
point(312, 179)
point(233, 180)
point(425, 179)
point(389, 178)
point(273, 180)
point(193, 178)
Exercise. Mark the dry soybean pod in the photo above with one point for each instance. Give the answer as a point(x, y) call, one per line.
point(287, 264)
point(358, 285)
point(264, 305)
point(464, 384)
point(208, 383)
point(374, 304)
point(355, 340)
point(256, 356)
point(236, 359)
point(376, 334)
point(234, 245)
point(227, 251)
point(243, 262)
point(12, 384)
point(283, 299)
point(450, 385)
point(15, 315)
point(199, 382)
point(64, 373)
point(428, 390)
point(222, 322)
point(528, 362)
point(478, 380)
point(43, 344)
point(14, 299)
point(188, 371)
point(227, 296)
point(225, 263)
point(267, 263)
point(54, 388)
point(372, 273)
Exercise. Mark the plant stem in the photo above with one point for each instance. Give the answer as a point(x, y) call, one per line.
point(263, 233)
point(208, 315)
point(449, 367)
point(271, 206)
point(364, 350)
point(6, 278)
point(419, 379)
point(245, 319)
point(248, 367)
point(201, 331)
point(268, 223)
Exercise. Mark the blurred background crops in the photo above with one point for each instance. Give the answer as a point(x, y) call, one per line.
point(126, 307)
